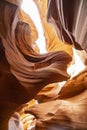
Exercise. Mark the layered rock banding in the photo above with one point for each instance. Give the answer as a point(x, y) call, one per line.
point(24, 72)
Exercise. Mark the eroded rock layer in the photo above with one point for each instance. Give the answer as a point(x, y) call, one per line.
point(30, 94)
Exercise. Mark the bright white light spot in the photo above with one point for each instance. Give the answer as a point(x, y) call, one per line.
point(76, 68)
point(30, 8)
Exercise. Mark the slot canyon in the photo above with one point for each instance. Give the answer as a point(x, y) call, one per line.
point(43, 91)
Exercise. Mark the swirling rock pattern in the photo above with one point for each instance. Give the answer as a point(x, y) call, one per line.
point(23, 72)
point(69, 19)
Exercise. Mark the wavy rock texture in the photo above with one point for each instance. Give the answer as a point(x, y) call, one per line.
point(70, 21)
point(61, 114)
point(75, 86)
point(68, 111)
point(52, 44)
point(26, 18)
point(23, 72)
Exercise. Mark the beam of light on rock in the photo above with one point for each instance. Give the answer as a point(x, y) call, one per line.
point(30, 8)
point(77, 67)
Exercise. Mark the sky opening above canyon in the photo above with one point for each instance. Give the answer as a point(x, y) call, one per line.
point(30, 8)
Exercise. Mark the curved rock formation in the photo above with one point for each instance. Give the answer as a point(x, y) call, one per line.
point(69, 19)
point(23, 72)
point(68, 111)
